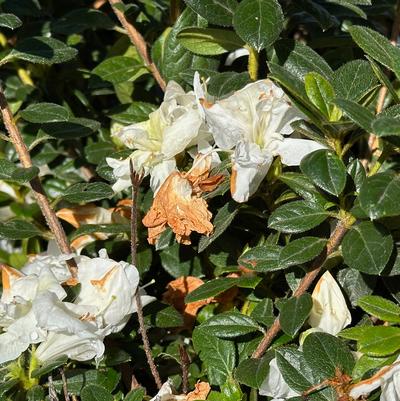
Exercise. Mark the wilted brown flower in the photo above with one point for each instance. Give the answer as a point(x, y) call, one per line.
point(178, 204)
point(200, 392)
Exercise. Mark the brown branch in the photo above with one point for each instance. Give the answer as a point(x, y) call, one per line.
point(185, 362)
point(136, 180)
point(306, 282)
point(139, 42)
point(65, 384)
point(36, 185)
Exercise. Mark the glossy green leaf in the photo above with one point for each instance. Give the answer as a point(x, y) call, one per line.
point(264, 312)
point(252, 372)
point(218, 355)
point(169, 317)
point(321, 93)
point(21, 174)
point(297, 217)
point(294, 313)
point(325, 19)
point(96, 152)
point(210, 289)
point(117, 69)
point(301, 250)
point(218, 12)
point(379, 195)
point(326, 170)
point(374, 340)
point(225, 83)
point(135, 395)
point(18, 229)
point(327, 353)
point(258, 22)
point(35, 393)
point(367, 247)
point(45, 113)
point(49, 366)
point(134, 112)
point(354, 80)
point(73, 128)
point(357, 113)
point(230, 325)
point(94, 392)
point(357, 172)
point(221, 222)
point(42, 50)
point(380, 307)
point(209, 41)
point(10, 21)
point(101, 228)
point(91, 192)
point(388, 128)
point(261, 258)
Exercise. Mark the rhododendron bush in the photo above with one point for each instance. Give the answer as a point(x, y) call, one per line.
point(199, 200)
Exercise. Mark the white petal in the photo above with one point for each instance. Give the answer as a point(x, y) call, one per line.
point(79, 348)
point(293, 150)
point(160, 172)
point(250, 166)
point(329, 312)
point(274, 384)
point(232, 56)
point(10, 347)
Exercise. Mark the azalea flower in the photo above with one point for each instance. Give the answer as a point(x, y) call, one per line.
point(329, 312)
point(254, 124)
point(178, 203)
point(176, 125)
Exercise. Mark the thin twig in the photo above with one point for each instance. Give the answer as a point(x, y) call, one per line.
point(185, 362)
point(52, 390)
point(36, 185)
point(306, 282)
point(65, 385)
point(136, 180)
point(139, 42)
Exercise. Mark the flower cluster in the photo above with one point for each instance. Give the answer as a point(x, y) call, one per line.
point(34, 307)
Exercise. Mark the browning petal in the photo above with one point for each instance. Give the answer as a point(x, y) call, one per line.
point(200, 392)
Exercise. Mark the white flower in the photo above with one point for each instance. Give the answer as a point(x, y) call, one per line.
point(329, 312)
point(275, 386)
point(388, 377)
point(166, 393)
point(170, 129)
point(254, 123)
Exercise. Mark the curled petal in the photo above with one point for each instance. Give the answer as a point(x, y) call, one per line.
point(329, 312)
point(292, 150)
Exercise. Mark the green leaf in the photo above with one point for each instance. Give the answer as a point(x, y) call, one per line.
point(134, 112)
point(135, 395)
point(357, 172)
point(10, 21)
point(258, 22)
point(21, 174)
point(326, 353)
point(357, 113)
point(45, 113)
point(169, 317)
point(42, 50)
point(96, 152)
point(209, 41)
point(94, 392)
point(6, 169)
point(294, 313)
point(252, 372)
point(301, 250)
point(91, 192)
point(35, 393)
point(230, 325)
point(297, 217)
point(6, 386)
point(49, 366)
point(225, 83)
point(218, 12)
point(73, 128)
point(388, 128)
point(261, 258)
point(374, 340)
point(375, 45)
point(218, 355)
point(320, 13)
point(100, 228)
point(117, 69)
point(367, 247)
point(326, 170)
point(18, 229)
point(321, 93)
point(354, 80)
point(379, 195)
point(221, 222)
point(264, 312)
point(210, 289)
point(175, 60)
point(380, 307)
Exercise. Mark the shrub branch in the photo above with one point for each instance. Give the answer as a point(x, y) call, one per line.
point(136, 180)
point(333, 243)
point(36, 185)
point(138, 41)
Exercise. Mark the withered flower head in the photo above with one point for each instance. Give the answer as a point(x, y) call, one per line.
point(178, 204)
